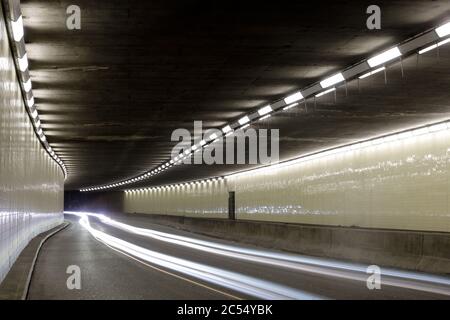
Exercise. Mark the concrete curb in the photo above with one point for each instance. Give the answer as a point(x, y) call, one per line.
point(16, 284)
point(36, 255)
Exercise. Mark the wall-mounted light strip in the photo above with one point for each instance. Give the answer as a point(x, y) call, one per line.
point(434, 46)
point(371, 72)
point(290, 106)
point(360, 70)
point(325, 92)
point(397, 136)
point(16, 35)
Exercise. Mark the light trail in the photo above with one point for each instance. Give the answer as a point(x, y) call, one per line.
point(326, 267)
point(234, 281)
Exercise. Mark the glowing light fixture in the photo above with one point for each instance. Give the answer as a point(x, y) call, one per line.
point(27, 85)
point(30, 102)
point(265, 117)
point(371, 72)
point(244, 120)
point(434, 46)
point(384, 57)
point(213, 136)
point(328, 82)
point(443, 30)
point(265, 110)
point(290, 106)
point(23, 63)
point(226, 129)
point(17, 28)
point(325, 92)
point(293, 98)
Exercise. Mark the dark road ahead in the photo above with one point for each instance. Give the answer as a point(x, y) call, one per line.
point(119, 261)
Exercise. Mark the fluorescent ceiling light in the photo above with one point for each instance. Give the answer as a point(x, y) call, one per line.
point(30, 102)
point(434, 46)
point(384, 57)
point(226, 129)
point(194, 147)
point(27, 85)
point(202, 143)
point(293, 98)
point(371, 72)
point(39, 132)
point(243, 127)
point(265, 117)
point(290, 106)
point(23, 63)
point(443, 30)
point(34, 114)
point(213, 136)
point(244, 120)
point(265, 110)
point(325, 92)
point(328, 82)
point(17, 28)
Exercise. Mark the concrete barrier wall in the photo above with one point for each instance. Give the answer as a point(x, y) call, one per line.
point(31, 184)
point(399, 182)
point(412, 250)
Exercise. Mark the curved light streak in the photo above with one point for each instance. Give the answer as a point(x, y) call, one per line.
point(234, 281)
point(326, 267)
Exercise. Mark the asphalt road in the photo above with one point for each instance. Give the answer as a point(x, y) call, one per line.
point(205, 271)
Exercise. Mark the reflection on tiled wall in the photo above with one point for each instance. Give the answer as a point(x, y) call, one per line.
point(395, 184)
point(31, 184)
point(207, 199)
point(398, 182)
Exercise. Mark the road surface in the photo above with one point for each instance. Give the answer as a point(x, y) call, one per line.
point(130, 258)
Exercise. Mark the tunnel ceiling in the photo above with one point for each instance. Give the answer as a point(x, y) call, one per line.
point(110, 95)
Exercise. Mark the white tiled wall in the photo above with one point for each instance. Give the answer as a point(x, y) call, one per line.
point(31, 184)
point(400, 184)
point(394, 184)
point(207, 200)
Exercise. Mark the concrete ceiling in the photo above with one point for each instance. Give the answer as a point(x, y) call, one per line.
point(110, 95)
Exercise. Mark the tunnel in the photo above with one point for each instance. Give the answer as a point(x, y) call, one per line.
point(204, 151)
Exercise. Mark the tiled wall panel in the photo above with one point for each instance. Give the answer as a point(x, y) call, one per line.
point(395, 184)
point(31, 184)
point(206, 199)
point(400, 184)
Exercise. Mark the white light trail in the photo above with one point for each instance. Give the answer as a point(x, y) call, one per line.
point(326, 267)
point(234, 281)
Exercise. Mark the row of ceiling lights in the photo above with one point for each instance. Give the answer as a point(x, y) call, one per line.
point(17, 35)
point(178, 185)
point(396, 136)
point(361, 70)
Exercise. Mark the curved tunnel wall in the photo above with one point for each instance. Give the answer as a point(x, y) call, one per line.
point(31, 184)
point(394, 184)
